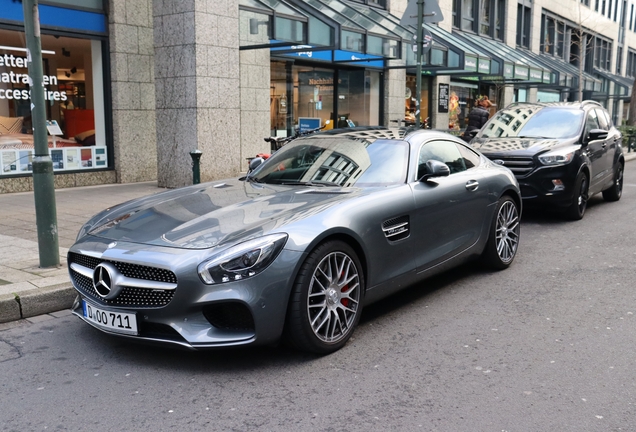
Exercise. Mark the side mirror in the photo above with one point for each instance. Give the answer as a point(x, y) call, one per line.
point(255, 163)
point(435, 168)
point(596, 134)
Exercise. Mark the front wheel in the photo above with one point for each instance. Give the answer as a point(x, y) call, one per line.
point(326, 300)
point(614, 193)
point(580, 196)
point(503, 239)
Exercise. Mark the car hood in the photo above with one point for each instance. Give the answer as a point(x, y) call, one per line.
point(524, 145)
point(203, 216)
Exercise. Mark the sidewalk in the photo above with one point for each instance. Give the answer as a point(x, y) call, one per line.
point(27, 290)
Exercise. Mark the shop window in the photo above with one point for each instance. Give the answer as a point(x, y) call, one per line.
point(410, 97)
point(358, 98)
point(74, 102)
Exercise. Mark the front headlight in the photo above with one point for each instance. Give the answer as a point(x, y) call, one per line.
point(242, 261)
point(559, 157)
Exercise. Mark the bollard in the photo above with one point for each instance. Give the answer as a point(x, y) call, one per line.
point(196, 162)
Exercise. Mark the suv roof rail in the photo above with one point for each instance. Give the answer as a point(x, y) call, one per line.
point(591, 102)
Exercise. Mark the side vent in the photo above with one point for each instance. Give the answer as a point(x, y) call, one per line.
point(397, 228)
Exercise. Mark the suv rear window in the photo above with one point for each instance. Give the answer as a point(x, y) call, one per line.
point(534, 122)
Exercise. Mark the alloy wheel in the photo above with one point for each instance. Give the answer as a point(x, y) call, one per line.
point(507, 231)
point(334, 297)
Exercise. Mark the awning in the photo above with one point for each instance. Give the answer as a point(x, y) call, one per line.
point(567, 74)
point(331, 30)
point(622, 85)
point(514, 66)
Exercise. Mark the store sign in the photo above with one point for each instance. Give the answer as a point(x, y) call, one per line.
point(470, 64)
point(521, 72)
point(508, 70)
point(443, 101)
point(16, 73)
point(484, 66)
point(536, 75)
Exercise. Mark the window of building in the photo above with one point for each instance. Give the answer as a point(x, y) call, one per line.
point(602, 53)
point(524, 13)
point(485, 17)
point(630, 70)
point(74, 100)
point(585, 2)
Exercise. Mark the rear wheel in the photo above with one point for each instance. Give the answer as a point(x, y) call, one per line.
point(614, 193)
point(579, 203)
point(503, 239)
point(326, 300)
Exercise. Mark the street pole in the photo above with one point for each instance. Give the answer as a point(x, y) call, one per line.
point(43, 184)
point(418, 66)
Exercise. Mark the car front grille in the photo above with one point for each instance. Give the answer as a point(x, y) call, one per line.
point(520, 166)
point(133, 297)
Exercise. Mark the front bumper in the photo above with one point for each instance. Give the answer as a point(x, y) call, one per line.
point(191, 314)
point(538, 189)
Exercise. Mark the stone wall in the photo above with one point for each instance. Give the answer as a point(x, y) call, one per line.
point(133, 90)
point(197, 85)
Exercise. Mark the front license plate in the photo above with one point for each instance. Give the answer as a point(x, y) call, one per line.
point(118, 322)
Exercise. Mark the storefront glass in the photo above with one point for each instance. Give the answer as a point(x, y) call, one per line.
point(410, 98)
point(305, 94)
point(74, 98)
point(462, 99)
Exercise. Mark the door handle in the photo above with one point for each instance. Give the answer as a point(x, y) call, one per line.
point(472, 185)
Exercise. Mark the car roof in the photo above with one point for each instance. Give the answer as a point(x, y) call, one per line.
point(381, 132)
point(581, 105)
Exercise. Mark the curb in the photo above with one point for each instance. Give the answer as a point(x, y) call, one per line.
point(36, 302)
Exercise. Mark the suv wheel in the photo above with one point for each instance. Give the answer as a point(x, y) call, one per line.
point(579, 202)
point(614, 193)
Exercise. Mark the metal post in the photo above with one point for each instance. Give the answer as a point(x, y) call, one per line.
point(196, 166)
point(43, 184)
point(418, 77)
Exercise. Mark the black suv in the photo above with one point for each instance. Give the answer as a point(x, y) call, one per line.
point(562, 153)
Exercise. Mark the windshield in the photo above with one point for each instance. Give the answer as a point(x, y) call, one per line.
point(534, 121)
point(336, 161)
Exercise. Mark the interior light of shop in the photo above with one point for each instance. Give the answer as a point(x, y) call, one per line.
point(8, 48)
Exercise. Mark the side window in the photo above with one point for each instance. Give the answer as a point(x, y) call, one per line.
point(443, 151)
point(608, 118)
point(602, 120)
point(591, 122)
point(471, 159)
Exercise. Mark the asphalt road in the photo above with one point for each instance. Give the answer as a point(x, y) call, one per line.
point(548, 344)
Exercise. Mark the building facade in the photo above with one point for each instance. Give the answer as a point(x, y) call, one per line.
point(133, 86)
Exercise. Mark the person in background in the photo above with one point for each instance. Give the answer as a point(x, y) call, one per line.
point(477, 117)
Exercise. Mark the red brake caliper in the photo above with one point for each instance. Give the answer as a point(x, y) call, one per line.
point(344, 301)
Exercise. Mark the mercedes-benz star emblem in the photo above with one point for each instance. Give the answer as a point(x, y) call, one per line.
point(104, 280)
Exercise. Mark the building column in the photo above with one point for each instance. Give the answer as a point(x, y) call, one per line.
point(197, 89)
point(133, 90)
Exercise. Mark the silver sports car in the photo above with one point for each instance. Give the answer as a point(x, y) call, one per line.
point(294, 250)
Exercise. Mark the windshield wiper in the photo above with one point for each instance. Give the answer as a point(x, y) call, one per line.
point(531, 137)
point(309, 183)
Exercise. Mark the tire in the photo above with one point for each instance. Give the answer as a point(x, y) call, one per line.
point(326, 299)
point(576, 211)
point(614, 193)
point(503, 236)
